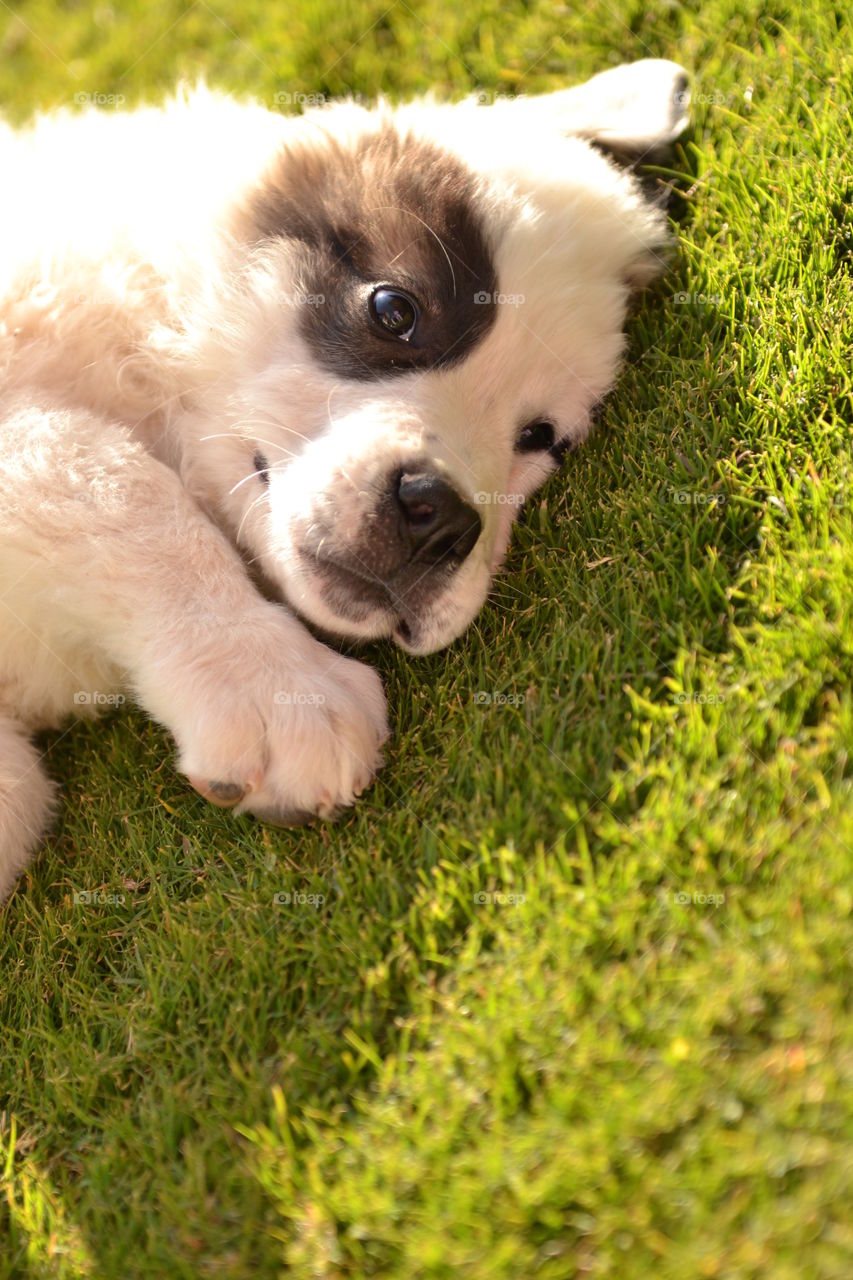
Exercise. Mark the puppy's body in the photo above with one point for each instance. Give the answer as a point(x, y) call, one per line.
point(202, 354)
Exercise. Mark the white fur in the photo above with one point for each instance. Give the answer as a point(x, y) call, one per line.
point(143, 358)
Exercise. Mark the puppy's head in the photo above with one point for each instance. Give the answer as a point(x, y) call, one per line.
point(430, 304)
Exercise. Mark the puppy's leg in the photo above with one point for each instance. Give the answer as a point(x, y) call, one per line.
point(26, 802)
point(123, 563)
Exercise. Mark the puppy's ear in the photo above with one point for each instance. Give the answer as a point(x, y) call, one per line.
point(634, 110)
point(635, 113)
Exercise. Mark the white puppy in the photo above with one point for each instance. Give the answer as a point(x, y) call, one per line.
point(335, 350)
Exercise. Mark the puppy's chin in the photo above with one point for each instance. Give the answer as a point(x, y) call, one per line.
point(414, 635)
point(311, 604)
point(344, 615)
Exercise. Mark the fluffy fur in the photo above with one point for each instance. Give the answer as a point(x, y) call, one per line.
point(171, 409)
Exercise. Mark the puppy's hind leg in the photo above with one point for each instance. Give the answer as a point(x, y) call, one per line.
point(26, 802)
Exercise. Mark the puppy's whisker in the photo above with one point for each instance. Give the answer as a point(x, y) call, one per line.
point(291, 431)
point(256, 502)
point(332, 391)
point(253, 475)
point(225, 435)
point(255, 439)
point(397, 209)
point(350, 480)
point(154, 409)
point(399, 255)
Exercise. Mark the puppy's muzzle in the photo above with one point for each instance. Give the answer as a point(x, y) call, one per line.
point(436, 525)
point(415, 531)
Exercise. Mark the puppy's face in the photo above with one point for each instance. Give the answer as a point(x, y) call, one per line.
point(423, 329)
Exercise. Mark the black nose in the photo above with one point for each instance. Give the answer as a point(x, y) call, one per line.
point(440, 525)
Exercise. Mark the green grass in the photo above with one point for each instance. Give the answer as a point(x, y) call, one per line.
point(638, 1059)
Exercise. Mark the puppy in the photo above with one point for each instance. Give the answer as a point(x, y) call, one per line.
point(257, 371)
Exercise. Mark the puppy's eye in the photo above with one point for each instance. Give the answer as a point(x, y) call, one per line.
point(395, 312)
point(536, 437)
point(262, 466)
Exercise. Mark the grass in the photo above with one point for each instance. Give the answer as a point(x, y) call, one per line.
point(577, 999)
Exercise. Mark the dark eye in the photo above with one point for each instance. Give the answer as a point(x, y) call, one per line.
point(262, 466)
point(536, 437)
point(395, 312)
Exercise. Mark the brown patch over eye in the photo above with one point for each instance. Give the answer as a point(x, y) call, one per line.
point(386, 241)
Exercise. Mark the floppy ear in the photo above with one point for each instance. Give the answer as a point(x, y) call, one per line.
point(633, 110)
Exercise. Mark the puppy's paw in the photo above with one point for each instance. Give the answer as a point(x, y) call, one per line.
point(285, 729)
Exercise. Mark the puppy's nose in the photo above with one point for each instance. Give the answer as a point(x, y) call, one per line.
point(440, 524)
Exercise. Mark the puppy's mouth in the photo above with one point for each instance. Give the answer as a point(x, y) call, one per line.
point(403, 634)
point(364, 603)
